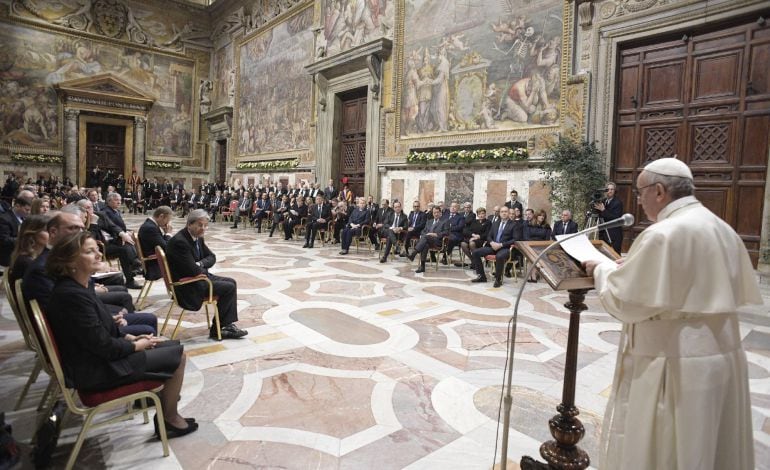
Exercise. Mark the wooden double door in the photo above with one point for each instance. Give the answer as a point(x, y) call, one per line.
point(352, 164)
point(705, 97)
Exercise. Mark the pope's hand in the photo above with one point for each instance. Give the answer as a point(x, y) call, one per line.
point(589, 266)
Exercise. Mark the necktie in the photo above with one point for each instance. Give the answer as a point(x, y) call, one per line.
point(198, 249)
point(319, 212)
point(500, 232)
point(414, 217)
point(395, 224)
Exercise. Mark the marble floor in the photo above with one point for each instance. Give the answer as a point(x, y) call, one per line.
point(353, 364)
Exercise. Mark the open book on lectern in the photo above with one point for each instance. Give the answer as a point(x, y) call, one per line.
point(560, 270)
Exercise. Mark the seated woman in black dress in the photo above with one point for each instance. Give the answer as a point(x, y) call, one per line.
point(30, 242)
point(94, 354)
point(538, 230)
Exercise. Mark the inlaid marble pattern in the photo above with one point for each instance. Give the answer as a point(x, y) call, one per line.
point(353, 364)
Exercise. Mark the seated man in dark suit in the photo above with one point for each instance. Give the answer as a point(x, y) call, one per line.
point(394, 228)
point(215, 202)
point(417, 220)
point(188, 256)
point(261, 209)
point(379, 217)
point(456, 223)
point(431, 237)
point(564, 226)
point(117, 241)
point(499, 242)
point(359, 217)
point(317, 218)
point(9, 225)
point(155, 231)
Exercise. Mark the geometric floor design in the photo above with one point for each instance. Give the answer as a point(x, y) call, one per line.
point(353, 364)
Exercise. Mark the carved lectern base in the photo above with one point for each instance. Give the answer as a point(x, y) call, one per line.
point(566, 429)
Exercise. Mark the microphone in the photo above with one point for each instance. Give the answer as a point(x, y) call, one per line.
point(626, 220)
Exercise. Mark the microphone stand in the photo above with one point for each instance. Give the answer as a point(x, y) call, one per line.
point(508, 399)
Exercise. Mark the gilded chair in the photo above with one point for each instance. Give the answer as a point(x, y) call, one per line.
point(142, 297)
point(210, 300)
point(90, 404)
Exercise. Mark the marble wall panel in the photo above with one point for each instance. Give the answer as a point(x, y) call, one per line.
point(540, 198)
point(397, 190)
point(426, 192)
point(459, 187)
point(497, 193)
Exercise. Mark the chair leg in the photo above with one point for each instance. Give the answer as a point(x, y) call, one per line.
point(168, 315)
point(178, 322)
point(48, 396)
point(30, 380)
point(79, 441)
point(143, 294)
point(216, 319)
point(161, 423)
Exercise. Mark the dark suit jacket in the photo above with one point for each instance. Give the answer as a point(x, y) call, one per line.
point(417, 219)
point(93, 352)
point(9, 230)
point(359, 217)
point(455, 226)
point(150, 236)
point(382, 215)
point(115, 217)
point(558, 228)
point(36, 284)
point(507, 237)
point(612, 210)
point(403, 221)
point(515, 204)
point(312, 213)
point(520, 229)
point(440, 228)
point(469, 218)
point(182, 259)
point(477, 227)
point(540, 232)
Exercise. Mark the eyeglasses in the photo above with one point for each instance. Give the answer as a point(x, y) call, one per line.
point(638, 191)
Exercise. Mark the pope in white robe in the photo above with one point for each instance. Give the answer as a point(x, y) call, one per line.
point(680, 397)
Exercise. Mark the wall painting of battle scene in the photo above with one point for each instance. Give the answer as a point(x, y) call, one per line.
point(274, 91)
point(33, 61)
point(350, 23)
point(480, 64)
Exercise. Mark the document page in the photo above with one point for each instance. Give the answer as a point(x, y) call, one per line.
point(581, 249)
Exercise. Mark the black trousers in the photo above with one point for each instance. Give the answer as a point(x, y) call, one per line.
point(501, 256)
point(424, 244)
point(227, 290)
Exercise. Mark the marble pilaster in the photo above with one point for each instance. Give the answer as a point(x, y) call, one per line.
point(140, 131)
point(71, 143)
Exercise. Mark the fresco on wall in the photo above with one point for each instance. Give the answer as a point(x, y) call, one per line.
point(33, 61)
point(349, 23)
point(224, 78)
point(480, 64)
point(274, 91)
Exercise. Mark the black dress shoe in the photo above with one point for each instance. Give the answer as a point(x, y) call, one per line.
point(479, 279)
point(498, 283)
point(383, 260)
point(229, 332)
point(132, 285)
point(234, 226)
point(344, 252)
point(403, 254)
point(419, 270)
point(172, 431)
point(443, 261)
point(508, 274)
point(305, 246)
point(412, 256)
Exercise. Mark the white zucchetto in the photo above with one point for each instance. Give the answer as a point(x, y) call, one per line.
point(669, 167)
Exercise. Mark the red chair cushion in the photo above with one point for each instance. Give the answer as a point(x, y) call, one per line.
point(490, 257)
point(102, 396)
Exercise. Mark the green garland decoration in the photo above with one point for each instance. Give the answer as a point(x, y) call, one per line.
point(269, 165)
point(161, 165)
point(499, 154)
point(44, 159)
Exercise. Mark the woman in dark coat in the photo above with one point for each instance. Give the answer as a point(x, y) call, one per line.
point(94, 354)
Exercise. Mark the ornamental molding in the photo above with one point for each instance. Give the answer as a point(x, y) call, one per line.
point(114, 20)
point(104, 90)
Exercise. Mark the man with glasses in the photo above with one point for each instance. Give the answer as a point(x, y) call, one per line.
point(417, 219)
point(565, 225)
point(188, 256)
point(681, 391)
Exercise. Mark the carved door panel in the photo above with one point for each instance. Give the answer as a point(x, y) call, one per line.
point(353, 140)
point(105, 147)
point(705, 97)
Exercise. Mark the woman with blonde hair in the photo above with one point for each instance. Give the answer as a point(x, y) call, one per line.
point(40, 205)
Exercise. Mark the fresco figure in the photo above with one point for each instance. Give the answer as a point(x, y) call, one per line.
point(440, 100)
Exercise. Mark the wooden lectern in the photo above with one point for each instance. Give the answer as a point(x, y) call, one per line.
point(563, 272)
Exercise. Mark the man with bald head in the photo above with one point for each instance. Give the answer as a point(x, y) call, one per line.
point(681, 394)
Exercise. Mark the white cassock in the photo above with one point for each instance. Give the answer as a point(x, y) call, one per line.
point(680, 397)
